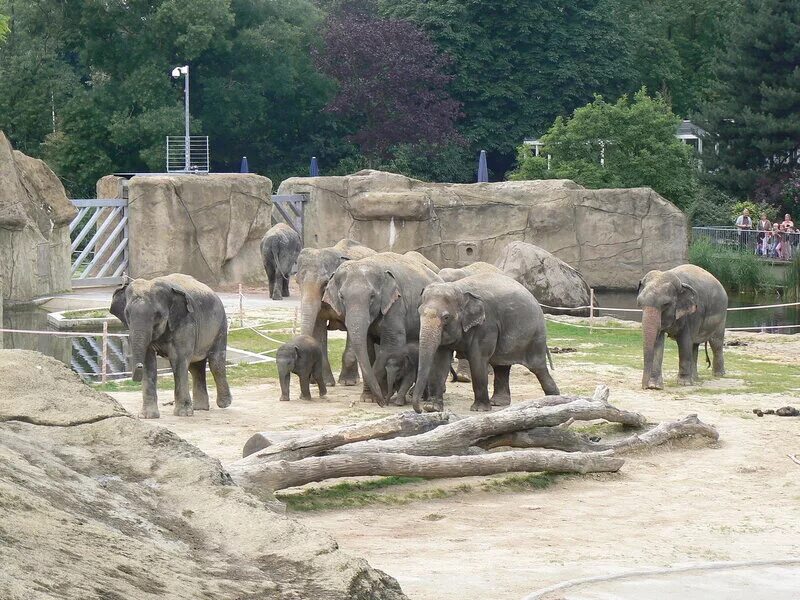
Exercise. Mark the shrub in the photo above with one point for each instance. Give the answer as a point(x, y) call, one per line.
point(736, 271)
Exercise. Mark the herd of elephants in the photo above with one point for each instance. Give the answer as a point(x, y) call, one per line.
point(404, 318)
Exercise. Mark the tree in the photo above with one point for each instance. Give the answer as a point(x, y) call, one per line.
point(755, 115)
point(626, 144)
point(3, 27)
point(519, 64)
point(390, 82)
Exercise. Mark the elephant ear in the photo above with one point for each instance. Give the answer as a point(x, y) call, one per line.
point(331, 296)
point(390, 293)
point(180, 307)
point(118, 303)
point(687, 301)
point(474, 312)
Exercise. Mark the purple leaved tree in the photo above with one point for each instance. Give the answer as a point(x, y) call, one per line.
point(391, 81)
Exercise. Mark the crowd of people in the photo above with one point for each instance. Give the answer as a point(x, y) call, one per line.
point(777, 240)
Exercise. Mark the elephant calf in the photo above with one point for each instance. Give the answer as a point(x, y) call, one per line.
point(302, 355)
point(177, 317)
point(401, 372)
point(280, 247)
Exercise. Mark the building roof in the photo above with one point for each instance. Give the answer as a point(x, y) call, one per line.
point(688, 130)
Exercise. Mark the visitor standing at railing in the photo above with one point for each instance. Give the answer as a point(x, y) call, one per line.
point(763, 227)
point(743, 223)
point(787, 233)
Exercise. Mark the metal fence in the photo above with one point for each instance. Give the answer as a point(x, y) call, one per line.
point(191, 158)
point(767, 244)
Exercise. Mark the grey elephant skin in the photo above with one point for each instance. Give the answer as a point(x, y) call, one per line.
point(377, 297)
point(315, 267)
point(689, 305)
point(179, 318)
point(475, 268)
point(491, 320)
point(420, 258)
point(302, 355)
point(401, 372)
point(280, 247)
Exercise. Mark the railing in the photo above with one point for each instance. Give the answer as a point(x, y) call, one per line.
point(99, 235)
point(193, 158)
point(766, 244)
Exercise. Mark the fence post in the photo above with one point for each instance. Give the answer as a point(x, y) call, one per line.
point(241, 307)
point(104, 363)
point(591, 309)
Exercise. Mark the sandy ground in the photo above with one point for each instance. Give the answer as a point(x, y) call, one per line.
point(687, 504)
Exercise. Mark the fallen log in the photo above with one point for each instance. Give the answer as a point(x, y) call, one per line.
point(569, 441)
point(271, 476)
point(295, 448)
point(456, 437)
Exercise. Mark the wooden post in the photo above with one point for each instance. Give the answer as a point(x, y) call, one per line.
point(104, 360)
point(591, 309)
point(241, 307)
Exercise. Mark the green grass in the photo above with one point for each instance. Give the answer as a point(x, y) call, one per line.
point(87, 313)
point(736, 271)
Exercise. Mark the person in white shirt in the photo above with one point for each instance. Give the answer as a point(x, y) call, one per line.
point(743, 223)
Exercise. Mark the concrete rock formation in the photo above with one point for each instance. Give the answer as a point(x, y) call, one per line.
point(612, 236)
point(97, 504)
point(206, 226)
point(34, 227)
point(552, 281)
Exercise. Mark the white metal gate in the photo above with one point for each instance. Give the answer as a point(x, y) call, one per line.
point(99, 235)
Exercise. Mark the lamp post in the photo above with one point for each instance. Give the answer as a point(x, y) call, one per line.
point(176, 73)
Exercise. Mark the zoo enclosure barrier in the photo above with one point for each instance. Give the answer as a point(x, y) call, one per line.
point(99, 242)
point(290, 209)
point(747, 240)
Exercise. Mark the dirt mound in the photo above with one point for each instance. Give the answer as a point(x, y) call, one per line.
point(97, 505)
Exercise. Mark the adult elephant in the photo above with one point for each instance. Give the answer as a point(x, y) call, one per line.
point(280, 247)
point(177, 317)
point(689, 305)
point(492, 320)
point(420, 258)
point(315, 267)
point(377, 297)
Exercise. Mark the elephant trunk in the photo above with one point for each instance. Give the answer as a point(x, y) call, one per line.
point(311, 302)
point(430, 336)
point(140, 342)
point(651, 327)
point(357, 334)
point(391, 379)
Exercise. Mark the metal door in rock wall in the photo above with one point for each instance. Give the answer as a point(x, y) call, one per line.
point(99, 235)
point(289, 210)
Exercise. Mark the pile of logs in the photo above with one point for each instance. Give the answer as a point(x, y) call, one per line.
point(531, 436)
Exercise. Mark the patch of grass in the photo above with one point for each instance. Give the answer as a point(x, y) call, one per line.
point(87, 313)
point(519, 483)
point(738, 271)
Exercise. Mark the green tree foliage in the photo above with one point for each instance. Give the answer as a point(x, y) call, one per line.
point(756, 110)
point(518, 64)
point(636, 140)
point(3, 27)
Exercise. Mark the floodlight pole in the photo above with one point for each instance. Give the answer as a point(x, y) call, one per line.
point(186, 140)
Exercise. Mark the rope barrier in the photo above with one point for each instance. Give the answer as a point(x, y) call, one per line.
point(64, 333)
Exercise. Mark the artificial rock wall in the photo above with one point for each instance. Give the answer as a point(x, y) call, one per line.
point(34, 228)
point(206, 226)
point(611, 236)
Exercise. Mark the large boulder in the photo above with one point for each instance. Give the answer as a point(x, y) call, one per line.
point(553, 282)
point(97, 504)
point(34, 227)
point(206, 226)
point(453, 225)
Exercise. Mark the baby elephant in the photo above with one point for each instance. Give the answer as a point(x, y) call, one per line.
point(401, 372)
point(302, 356)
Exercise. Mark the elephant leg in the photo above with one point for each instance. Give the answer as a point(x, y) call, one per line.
point(285, 285)
point(321, 335)
point(718, 362)
point(305, 379)
point(320, 378)
point(401, 398)
point(437, 381)
point(216, 362)
point(480, 380)
point(349, 374)
point(685, 356)
point(537, 364)
point(273, 279)
point(149, 383)
point(463, 371)
point(366, 393)
point(656, 376)
point(502, 388)
point(199, 389)
point(695, 353)
point(183, 401)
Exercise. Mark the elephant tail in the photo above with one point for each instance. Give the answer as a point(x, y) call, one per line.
point(708, 360)
point(550, 358)
point(278, 264)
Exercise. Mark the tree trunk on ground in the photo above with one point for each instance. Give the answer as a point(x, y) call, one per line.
point(406, 423)
point(270, 476)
